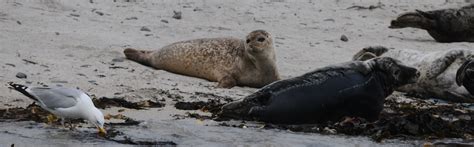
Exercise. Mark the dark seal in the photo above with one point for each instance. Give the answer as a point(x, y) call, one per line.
point(465, 76)
point(445, 25)
point(354, 89)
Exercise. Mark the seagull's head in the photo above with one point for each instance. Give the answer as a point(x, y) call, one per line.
point(98, 121)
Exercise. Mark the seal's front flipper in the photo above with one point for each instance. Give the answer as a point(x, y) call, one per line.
point(227, 82)
point(257, 111)
point(441, 64)
point(236, 110)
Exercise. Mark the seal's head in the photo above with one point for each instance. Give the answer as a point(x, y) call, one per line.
point(395, 70)
point(369, 53)
point(259, 41)
point(418, 19)
point(465, 75)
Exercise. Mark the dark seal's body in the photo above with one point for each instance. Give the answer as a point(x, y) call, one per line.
point(352, 89)
point(446, 25)
point(437, 69)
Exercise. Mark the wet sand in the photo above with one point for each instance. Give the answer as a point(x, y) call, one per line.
point(79, 44)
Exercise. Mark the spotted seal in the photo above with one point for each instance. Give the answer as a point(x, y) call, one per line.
point(445, 25)
point(354, 89)
point(229, 61)
point(438, 71)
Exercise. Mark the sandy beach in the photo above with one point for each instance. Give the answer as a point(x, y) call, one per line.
point(80, 44)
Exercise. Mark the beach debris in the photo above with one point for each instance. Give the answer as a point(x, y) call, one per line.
point(29, 61)
point(131, 18)
point(99, 13)
point(21, 75)
point(212, 105)
point(119, 137)
point(330, 19)
point(146, 29)
point(197, 9)
point(370, 7)
point(9, 64)
point(119, 59)
point(177, 14)
point(75, 15)
point(105, 102)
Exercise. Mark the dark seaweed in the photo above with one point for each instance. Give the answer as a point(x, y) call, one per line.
point(113, 134)
point(104, 102)
point(212, 105)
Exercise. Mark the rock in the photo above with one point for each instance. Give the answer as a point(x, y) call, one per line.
point(57, 33)
point(118, 59)
point(21, 75)
point(59, 81)
point(131, 18)
point(145, 29)
point(344, 38)
point(9, 64)
point(18, 22)
point(177, 15)
point(165, 21)
point(197, 9)
point(99, 13)
point(75, 15)
point(330, 19)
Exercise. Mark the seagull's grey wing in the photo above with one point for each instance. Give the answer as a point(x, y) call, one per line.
point(58, 97)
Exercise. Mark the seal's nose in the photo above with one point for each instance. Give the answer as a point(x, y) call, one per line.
point(417, 74)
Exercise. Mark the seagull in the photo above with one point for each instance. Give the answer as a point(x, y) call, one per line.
point(65, 103)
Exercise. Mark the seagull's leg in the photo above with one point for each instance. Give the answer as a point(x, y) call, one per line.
point(62, 122)
point(71, 125)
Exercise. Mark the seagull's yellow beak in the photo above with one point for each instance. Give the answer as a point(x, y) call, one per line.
point(102, 131)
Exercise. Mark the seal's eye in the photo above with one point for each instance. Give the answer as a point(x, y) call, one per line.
point(261, 39)
point(248, 40)
point(397, 72)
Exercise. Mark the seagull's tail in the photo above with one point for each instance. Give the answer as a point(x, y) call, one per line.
point(22, 89)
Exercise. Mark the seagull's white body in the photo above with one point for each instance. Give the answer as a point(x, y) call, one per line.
point(82, 109)
point(65, 103)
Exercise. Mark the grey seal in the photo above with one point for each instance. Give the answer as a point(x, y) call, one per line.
point(445, 25)
point(353, 89)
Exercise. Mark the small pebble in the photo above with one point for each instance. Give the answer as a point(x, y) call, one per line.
point(177, 15)
point(145, 29)
point(21, 75)
point(344, 38)
point(75, 15)
point(99, 13)
point(118, 60)
point(131, 18)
